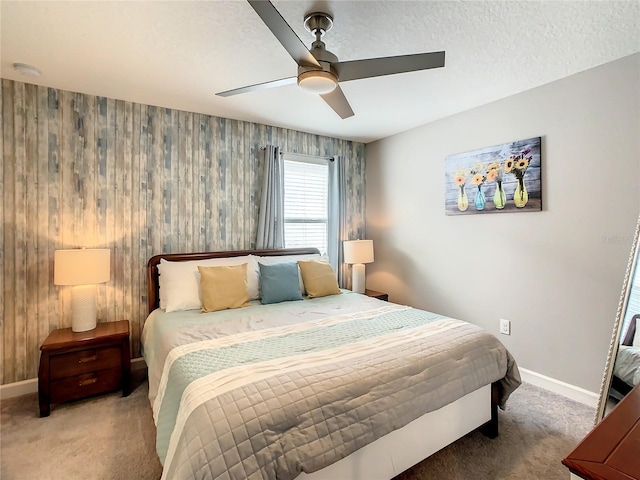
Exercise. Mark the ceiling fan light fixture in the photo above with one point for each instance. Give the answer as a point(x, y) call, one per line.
point(317, 81)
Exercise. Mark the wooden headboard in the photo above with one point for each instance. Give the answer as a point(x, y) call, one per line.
point(631, 331)
point(153, 286)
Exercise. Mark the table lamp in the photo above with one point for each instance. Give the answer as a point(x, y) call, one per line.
point(357, 253)
point(83, 269)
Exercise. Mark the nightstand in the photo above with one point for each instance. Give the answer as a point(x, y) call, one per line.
point(75, 365)
point(378, 295)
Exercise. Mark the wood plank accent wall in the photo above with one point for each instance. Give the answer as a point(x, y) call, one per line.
point(79, 170)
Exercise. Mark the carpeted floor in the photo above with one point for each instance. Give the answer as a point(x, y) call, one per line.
point(110, 437)
point(537, 430)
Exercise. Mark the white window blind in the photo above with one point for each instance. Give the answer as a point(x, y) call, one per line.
point(306, 203)
point(633, 306)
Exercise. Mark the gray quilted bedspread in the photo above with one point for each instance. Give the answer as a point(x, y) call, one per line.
point(288, 396)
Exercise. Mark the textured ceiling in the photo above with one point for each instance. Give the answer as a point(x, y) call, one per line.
point(179, 54)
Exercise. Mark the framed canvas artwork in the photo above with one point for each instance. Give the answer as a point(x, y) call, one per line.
point(498, 179)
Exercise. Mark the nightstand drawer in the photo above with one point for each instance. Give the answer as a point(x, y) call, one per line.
point(83, 361)
point(80, 386)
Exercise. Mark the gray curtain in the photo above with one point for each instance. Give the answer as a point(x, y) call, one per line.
point(338, 227)
point(271, 219)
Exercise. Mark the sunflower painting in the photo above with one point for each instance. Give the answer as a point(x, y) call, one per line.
point(502, 178)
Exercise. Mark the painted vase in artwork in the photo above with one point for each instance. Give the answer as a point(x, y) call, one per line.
point(480, 201)
point(463, 201)
point(499, 198)
point(520, 196)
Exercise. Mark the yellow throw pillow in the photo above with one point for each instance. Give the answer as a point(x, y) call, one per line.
point(319, 278)
point(223, 287)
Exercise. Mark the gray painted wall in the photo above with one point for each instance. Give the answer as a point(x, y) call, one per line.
point(555, 274)
point(80, 170)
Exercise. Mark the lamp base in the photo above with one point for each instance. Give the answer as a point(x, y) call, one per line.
point(83, 308)
point(357, 277)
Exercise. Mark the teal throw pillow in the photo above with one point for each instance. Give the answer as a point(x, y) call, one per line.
point(279, 282)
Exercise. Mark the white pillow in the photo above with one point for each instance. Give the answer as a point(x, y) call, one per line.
point(636, 335)
point(180, 281)
point(286, 258)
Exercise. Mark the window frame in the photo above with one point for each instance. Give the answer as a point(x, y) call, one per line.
point(314, 160)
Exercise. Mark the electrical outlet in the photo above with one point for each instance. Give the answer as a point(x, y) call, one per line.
point(505, 326)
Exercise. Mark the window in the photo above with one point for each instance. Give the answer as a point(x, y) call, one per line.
point(633, 304)
point(305, 202)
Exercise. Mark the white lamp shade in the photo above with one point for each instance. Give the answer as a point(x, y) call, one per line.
point(358, 251)
point(84, 266)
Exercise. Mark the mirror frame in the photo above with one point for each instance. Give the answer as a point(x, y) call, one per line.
point(617, 326)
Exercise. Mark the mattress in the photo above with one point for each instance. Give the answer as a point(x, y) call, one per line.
point(269, 391)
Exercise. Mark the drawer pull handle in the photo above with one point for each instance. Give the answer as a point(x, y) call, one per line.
point(88, 359)
point(84, 383)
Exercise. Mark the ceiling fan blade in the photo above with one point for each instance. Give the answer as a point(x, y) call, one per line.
point(259, 86)
point(284, 33)
point(376, 67)
point(338, 102)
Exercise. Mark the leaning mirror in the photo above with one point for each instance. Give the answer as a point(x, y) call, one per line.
point(622, 370)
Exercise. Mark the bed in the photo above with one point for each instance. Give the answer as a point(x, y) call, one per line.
point(336, 386)
point(626, 369)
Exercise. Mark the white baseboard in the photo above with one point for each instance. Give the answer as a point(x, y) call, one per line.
point(26, 387)
point(18, 389)
point(561, 388)
point(138, 364)
point(578, 394)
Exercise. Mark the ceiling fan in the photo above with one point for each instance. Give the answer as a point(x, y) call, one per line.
point(319, 70)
